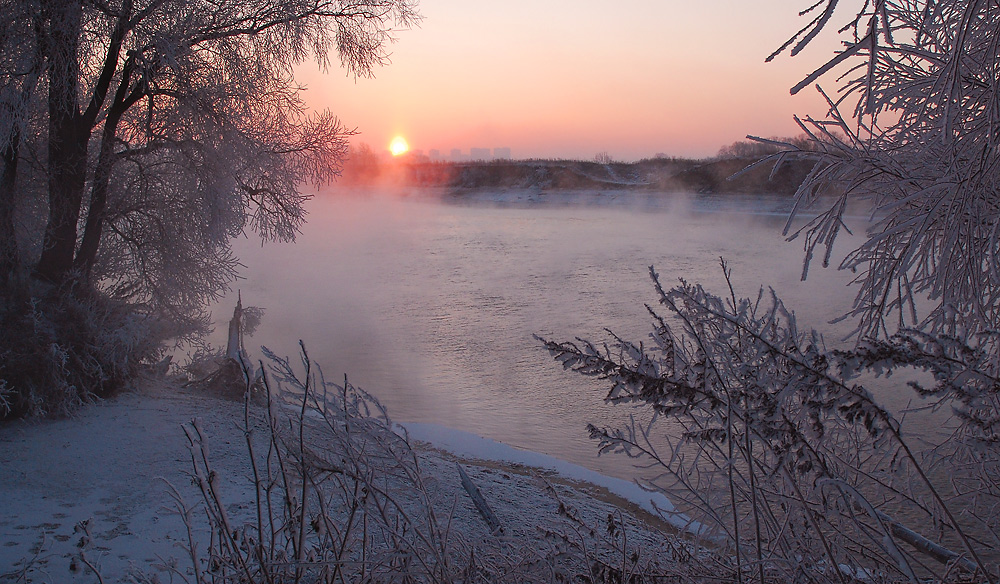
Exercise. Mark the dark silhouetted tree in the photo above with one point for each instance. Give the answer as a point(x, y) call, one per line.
point(138, 137)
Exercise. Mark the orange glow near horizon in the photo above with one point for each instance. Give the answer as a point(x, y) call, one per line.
point(398, 146)
point(683, 80)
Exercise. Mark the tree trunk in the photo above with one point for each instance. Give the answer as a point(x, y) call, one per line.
point(9, 257)
point(87, 254)
point(235, 346)
point(96, 212)
point(67, 175)
point(68, 138)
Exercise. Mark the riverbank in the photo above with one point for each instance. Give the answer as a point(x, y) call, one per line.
point(100, 483)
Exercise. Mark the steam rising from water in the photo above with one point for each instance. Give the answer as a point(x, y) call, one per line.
point(431, 302)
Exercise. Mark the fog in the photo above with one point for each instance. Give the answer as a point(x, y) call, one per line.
point(431, 301)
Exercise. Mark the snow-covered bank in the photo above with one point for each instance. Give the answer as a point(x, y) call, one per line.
point(476, 448)
point(100, 479)
point(106, 466)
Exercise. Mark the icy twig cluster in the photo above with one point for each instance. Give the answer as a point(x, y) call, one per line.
point(772, 448)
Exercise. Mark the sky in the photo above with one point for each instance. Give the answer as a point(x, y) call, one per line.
point(574, 78)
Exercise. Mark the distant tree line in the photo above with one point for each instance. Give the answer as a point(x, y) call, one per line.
point(761, 148)
point(362, 165)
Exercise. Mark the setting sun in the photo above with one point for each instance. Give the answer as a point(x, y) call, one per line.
point(398, 146)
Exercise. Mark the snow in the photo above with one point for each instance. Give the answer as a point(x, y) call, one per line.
point(108, 465)
point(109, 468)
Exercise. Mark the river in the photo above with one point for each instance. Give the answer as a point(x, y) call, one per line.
point(431, 302)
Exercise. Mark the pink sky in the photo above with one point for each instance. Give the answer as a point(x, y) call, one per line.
point(571, 78)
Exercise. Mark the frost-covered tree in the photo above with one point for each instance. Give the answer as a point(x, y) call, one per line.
point(138, 137)
point(20, 69)
point(914, 133)
point(773, 441)
point(173, 91)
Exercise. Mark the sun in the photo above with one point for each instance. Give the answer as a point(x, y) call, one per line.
point(398, 146)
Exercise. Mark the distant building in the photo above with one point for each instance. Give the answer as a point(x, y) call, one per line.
point(435, 155)
point(501, 153)
point(480, 154)
point(456, 155)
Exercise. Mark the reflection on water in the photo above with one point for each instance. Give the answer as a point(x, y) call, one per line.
point(432, 305)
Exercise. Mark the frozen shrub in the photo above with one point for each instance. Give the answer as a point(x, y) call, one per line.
point(59, 351)
point(776, 451)
point(340, 494)
point(771, 436)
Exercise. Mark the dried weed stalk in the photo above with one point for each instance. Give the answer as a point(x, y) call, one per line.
point(339, 495)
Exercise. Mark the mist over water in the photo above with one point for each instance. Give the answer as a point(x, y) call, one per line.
point(431, 303)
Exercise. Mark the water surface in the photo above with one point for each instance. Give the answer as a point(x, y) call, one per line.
point(432, 304)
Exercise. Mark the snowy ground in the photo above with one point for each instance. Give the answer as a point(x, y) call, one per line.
point(109, 467)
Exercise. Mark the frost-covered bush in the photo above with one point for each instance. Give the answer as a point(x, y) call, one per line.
point(60, 351)
point(769, 434)
point(913, 134)
point(781, 456)
point(340, 496)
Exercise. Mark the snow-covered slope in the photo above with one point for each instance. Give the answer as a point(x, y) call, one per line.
point(101, 479)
